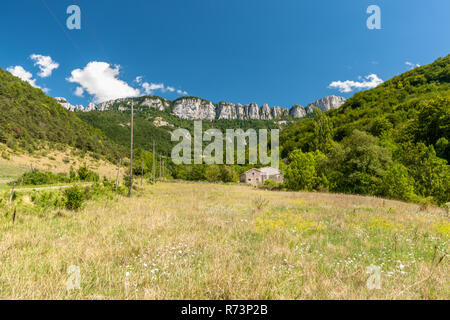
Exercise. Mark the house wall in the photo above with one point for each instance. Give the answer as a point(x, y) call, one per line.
point(252, 177)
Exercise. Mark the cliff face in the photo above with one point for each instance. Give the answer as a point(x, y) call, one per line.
point(192, 108)
point(67, 105)
point(326, 103)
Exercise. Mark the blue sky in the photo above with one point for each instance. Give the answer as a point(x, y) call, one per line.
point(280, 52)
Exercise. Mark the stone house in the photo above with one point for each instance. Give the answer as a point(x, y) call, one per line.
point(257, 177)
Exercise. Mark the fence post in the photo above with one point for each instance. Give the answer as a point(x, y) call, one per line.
point(118, 172)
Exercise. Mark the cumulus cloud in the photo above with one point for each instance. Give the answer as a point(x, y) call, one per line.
point(368, 82)
point(100, 79)
point(20, 72)
point(138, 79)
point(79, 92)
point(45, 64)
point(412, 65)
point(150, 88)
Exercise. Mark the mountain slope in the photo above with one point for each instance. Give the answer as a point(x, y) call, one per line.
point(391, 141)
point(411, 107)
point(30, 116)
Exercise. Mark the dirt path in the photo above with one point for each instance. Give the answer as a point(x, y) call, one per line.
point(51, 187)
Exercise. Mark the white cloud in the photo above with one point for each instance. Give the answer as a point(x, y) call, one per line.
point(79, 92)
point(138, 79)
point(23, 74)
point(101, 80)
point(150, 88)
point(412, 65)
point(45, 64)
point(369, 82)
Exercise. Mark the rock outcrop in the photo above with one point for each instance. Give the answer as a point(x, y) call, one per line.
point(68, 106)
point(297, 111)
point(326, 103)
point(192, 108)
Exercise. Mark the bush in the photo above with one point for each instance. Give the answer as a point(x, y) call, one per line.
point(48, 199)
point(270, 184)
point(84, 174)
point(75, 198)
point(36, 178)
point(213, 173)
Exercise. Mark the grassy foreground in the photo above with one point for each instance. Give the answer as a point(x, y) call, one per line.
point(203, 241)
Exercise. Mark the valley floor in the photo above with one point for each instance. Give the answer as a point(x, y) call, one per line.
point(206, 241)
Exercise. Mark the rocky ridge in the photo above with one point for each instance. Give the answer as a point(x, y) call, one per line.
point(193, 108)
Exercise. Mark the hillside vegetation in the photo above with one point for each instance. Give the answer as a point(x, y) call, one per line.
point(391, 141)
point(206, 241)
point(29, 116)
point(115, 125)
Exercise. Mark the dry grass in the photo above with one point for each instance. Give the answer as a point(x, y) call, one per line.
point(202, 241)
point(49, 160)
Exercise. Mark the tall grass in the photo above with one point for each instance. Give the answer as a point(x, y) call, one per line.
point(206, 241)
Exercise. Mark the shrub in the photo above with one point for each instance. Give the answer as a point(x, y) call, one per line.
point(84, 174)
point(75, 198)
point(270, 184)
point(36, 178)
point(48, 199)
point(213, 173)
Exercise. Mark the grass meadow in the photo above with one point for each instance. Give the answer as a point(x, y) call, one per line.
point(211, 241)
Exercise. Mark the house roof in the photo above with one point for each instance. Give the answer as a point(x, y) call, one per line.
point(266, 170)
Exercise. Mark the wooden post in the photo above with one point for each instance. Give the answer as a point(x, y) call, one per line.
point(142, 173)
point(154, 159)
point(14, 216)
point(12, 193)
point(118, 172)
point(131, 151)
point(160, 167)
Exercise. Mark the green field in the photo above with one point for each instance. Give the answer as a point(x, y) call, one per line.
point(10, 172)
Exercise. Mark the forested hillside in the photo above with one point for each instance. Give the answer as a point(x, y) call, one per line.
point(390, 141)
point(29, 117)
point(115, 125)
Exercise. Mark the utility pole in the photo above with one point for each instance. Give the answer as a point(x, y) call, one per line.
point(131, 150)
point(118, 172)
point(154, 159)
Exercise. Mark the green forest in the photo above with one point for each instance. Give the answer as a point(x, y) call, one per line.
point(390, 141)
point(29, 117)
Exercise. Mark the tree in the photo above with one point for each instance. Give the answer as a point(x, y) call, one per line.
point(323, 131)
point(303, 171)
point(398, 184)
point(358, 164)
